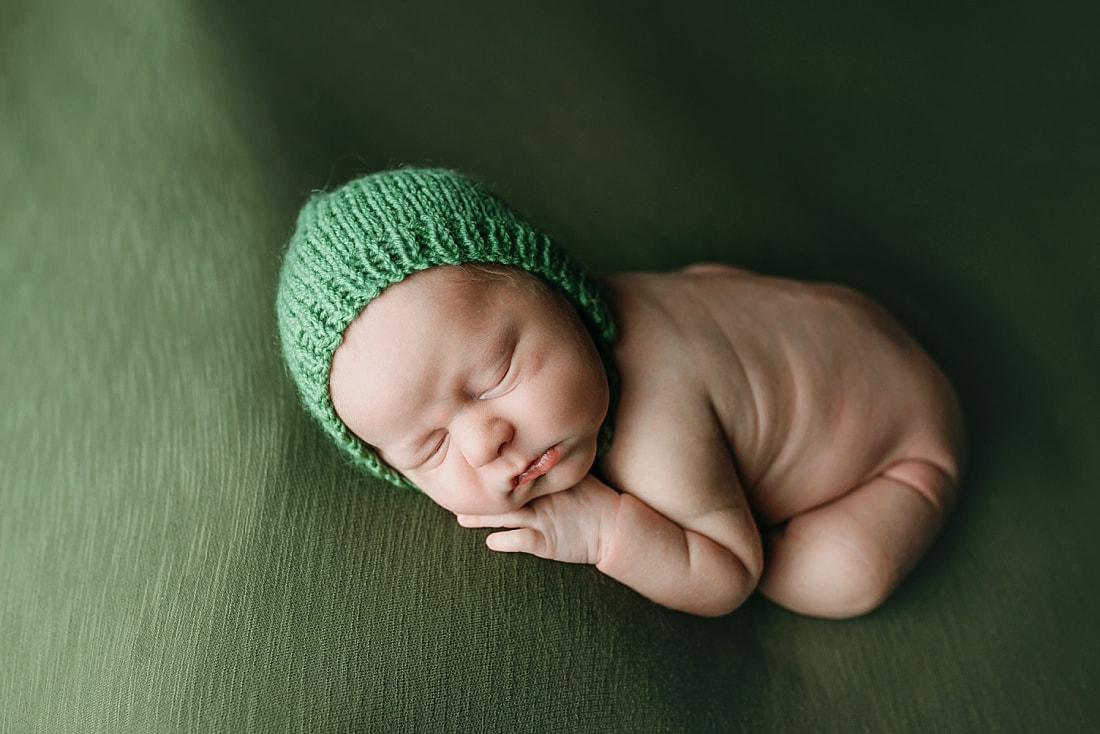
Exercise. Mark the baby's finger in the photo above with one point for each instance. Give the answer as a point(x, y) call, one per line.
point(524, 540)
point(516, 519)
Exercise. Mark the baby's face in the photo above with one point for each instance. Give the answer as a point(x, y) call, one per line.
point(484, 393)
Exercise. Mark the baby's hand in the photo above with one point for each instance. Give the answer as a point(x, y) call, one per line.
point(564, 526)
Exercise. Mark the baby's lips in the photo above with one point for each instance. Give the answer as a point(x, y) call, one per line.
point(544, 463)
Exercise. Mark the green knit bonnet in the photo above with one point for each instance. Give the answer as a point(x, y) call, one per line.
point(351, 243)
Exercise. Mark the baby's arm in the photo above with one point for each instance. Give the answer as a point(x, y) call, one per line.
point(683, 536)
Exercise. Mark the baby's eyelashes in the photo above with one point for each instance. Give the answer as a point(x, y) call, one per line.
point(431, 451)
point(504, 384)
point(438, 445)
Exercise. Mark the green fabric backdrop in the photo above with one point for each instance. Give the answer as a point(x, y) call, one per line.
point(181, 549)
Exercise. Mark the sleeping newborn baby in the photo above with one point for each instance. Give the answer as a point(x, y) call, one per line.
point(696, 435)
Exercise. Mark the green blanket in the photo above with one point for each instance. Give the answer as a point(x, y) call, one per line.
point(181, 549)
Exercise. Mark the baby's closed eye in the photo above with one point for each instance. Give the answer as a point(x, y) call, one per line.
point(439, 444)
point(504, 378)
point(431, 450)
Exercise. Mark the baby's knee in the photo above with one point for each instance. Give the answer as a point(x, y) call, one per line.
point(857, 578)
point(828, 576)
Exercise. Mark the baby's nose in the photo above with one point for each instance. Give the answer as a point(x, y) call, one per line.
point(485, 438)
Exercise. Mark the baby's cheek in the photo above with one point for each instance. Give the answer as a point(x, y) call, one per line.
point(590, 394)
point(458, 497)
point(580, 387)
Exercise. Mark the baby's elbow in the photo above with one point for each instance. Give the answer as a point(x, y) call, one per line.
point(720, 607)
point(717, 601)
point(725, 588)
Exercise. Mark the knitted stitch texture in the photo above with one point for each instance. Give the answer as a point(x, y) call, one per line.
point(352, 243)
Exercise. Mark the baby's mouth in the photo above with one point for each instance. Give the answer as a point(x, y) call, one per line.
point(538, 467)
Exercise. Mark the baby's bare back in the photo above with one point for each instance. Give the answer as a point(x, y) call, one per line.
point(815, 388)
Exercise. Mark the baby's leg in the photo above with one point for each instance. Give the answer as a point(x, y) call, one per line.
point(844, 558)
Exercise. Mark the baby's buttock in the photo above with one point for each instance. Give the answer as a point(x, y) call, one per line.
point(821, 462)
point(840, 393)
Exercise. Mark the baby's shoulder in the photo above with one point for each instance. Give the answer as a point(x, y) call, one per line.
point(666, 350)
point(673, 320)
point(648, 318)
point(667, 433)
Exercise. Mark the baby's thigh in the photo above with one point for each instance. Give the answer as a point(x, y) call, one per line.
point(844, 558)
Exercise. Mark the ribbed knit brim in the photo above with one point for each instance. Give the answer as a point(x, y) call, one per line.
point(351, 243)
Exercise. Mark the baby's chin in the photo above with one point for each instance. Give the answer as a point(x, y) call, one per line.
point(568, 473)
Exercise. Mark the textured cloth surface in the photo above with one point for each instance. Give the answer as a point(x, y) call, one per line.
point(182, 549)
